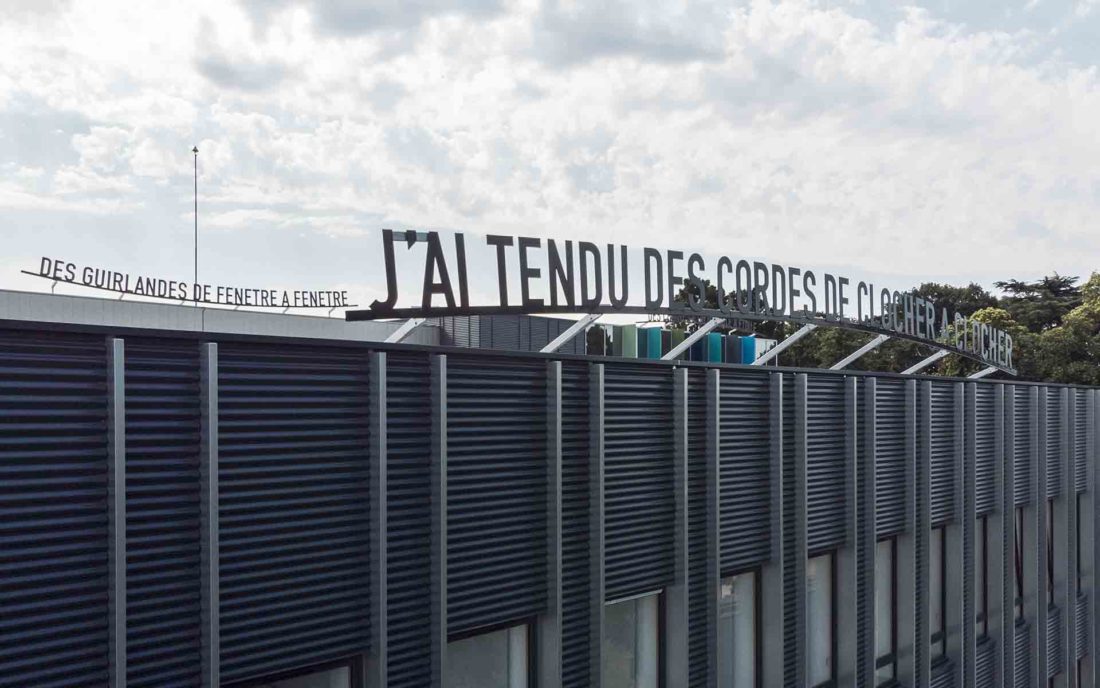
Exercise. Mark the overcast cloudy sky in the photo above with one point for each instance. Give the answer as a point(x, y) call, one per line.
point(953, 141)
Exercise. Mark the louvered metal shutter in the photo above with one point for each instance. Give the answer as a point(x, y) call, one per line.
point(163, 572)
point(697, 528)
point(294, 506)
point(943, 447)
point(575, 545)
point(983, 663)
point(1081, 626)
point(1055, 654)
point(745, 465)
point(890, 459)
point(943, 675)
point(1080, 439)
point(1054, 442)
point(639, 511)
point(793, 569)
point(985, 449)
point(496, 491)
point(1021, 477)
point(53, 499)
point(826, 505)
point(1022, 656)
point(408, 514)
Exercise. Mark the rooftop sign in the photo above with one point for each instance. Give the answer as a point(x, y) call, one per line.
point(95, 277)
point(582, 277)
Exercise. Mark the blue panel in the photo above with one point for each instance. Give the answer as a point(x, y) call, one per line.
point(748, 349)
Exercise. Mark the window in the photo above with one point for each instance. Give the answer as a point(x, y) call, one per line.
point(631, 643)
point(819, 619)
point(497, 659)
point(981, 588)
point(936, 592)
point(886, 605)
point(737, 632)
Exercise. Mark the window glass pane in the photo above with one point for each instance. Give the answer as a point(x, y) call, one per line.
point(490, 660)
point(935, 587)
point(884, 606)
point(819, 618)
point(631, 643)
point(737, 632)
point(645, 658)
point(331, 678)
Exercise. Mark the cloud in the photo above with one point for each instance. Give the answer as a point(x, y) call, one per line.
point(842, 135)
point(568, 32)
point(351, 17)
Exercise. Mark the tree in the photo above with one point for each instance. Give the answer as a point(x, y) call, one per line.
point(1042, 304)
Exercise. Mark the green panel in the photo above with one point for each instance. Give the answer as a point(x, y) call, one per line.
point(714, 347)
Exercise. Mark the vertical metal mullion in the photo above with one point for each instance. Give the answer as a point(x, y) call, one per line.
point(961, 587)
point(550, 622)
point(116, 509)
point(774, 573)
point(867, 545)
point(596, 530)
point(209, 507)
point(715, 658)
point(379, 489)
point(801, 526)
point(439, 666)
point(998, 547)
point(847, 584)
point(913, 636)
point(1039, 473)
point(676, 595)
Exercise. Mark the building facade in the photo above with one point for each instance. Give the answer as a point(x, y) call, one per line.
point(190, 506)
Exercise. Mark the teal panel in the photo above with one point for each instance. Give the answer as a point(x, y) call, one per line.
point(714, 347)
point(748, 349)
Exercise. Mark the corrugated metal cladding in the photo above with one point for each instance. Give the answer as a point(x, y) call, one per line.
point(295, 502)
point(697, 528)
point(639, 507)
point(943, 445)
point(1054, 443)
point(575, 544)
point(53, 502)
point(984, 669)
point(1081, 626)
point(1021, 422)
point(890, 458)
point(509, 333)
point(744, 465)
point(1022, 655)
point(294, 506)
point(1080, 439)
point(1055, 664)
point(162, 520)
point(825, 461)
point(408, 513)
point(496, 491)
point(985, 450)
point(943, 675)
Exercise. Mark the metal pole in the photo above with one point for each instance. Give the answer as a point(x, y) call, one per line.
point(195, 151)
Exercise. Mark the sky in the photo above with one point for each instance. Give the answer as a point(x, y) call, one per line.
point(951, 142)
